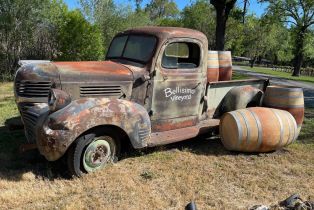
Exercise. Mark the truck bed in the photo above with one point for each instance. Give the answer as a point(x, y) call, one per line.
point(216, 91)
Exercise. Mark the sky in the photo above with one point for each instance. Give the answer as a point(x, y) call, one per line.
point(254, 7)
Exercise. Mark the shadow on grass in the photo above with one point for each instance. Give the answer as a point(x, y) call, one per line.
point(14, 163)
point(199, 145)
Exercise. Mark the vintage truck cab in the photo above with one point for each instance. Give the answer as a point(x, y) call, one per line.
point(151, 90)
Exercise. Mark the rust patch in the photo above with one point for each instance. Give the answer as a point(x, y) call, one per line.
point(171, 124)
point(61, 128)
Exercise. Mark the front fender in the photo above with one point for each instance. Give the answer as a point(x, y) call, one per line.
point(61, 128)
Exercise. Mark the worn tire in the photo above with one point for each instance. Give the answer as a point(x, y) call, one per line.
point(76, 156)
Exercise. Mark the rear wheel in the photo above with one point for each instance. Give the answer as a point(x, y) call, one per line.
point(92, 152)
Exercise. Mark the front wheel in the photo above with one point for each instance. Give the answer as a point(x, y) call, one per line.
point(90, 153)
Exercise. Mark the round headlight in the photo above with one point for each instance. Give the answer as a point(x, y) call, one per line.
point(58, 99)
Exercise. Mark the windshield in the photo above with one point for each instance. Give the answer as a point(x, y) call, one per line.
point(133, 47)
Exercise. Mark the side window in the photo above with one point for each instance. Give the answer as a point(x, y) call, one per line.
point(181, 55)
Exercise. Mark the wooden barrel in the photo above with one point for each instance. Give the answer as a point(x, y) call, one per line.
point(212, 66)
point(257, 129)
point(287, 98)
point(225, 65)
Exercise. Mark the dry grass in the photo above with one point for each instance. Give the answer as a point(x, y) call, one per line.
point(160, 178)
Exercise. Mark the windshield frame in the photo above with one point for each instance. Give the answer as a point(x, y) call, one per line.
point(124, 47)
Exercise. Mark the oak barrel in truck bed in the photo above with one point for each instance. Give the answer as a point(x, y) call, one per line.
point(212, 66)
point(225, 65)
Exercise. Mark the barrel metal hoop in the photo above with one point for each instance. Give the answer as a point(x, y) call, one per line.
point(289, 139)
point(294, 130)
point(282, 96)
point(247, 127)
point(283, 106)
point(240, 129)
point(259, 127)
point(285, 89)
point(281, 127)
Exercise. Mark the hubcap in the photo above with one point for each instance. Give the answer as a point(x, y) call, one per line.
point(96, 155)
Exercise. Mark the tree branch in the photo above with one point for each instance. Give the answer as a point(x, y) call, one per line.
point(311, 17)
point(310, 23)
point(288, 21)
point(292, 14)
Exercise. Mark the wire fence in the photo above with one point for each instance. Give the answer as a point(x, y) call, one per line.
point(308, 71)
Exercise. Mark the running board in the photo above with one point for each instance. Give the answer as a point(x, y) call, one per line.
point(167, 137)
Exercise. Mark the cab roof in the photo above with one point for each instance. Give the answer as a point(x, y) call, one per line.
point(167, 32)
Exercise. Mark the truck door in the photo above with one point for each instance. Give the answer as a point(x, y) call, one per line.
point(178, 85)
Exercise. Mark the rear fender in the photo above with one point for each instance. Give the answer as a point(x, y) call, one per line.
point(239, 98)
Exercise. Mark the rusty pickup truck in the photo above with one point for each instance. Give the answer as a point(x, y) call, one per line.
point(151, 90)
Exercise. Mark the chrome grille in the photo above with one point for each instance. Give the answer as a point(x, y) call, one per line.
point(32, 89)
point(30, 118)
point(107, 91)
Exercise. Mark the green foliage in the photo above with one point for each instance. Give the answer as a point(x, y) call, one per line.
point(112, 19)
point(158, 9)
point(235, 36)
point(44, 29)
point(299, 15)
point(78, 39)
point(18, 22)
point(309, 47)
point(200, 15)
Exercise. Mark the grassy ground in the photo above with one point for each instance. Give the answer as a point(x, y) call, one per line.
point(269, 71)
point(237, 76)
point(161, 178)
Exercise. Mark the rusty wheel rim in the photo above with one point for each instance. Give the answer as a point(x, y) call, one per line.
point(96, 155)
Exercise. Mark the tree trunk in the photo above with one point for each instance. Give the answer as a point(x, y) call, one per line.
point(245, 2)
point(223, 8)
point(299, 55)
point(252, 61)
point(221, 21)
point(298, 60)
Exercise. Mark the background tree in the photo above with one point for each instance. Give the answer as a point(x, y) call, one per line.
point(265, 38)
point(234, 32)
point(223, 9)
point(246, 4)
point(18, 21)
point(159, 9)
point(111, 18)
point(78, 39)
point(138, 5)
point(200, 15)
point(299, 14)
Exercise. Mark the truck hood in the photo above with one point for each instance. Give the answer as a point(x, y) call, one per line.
point(89, 71)
point(85, 71)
